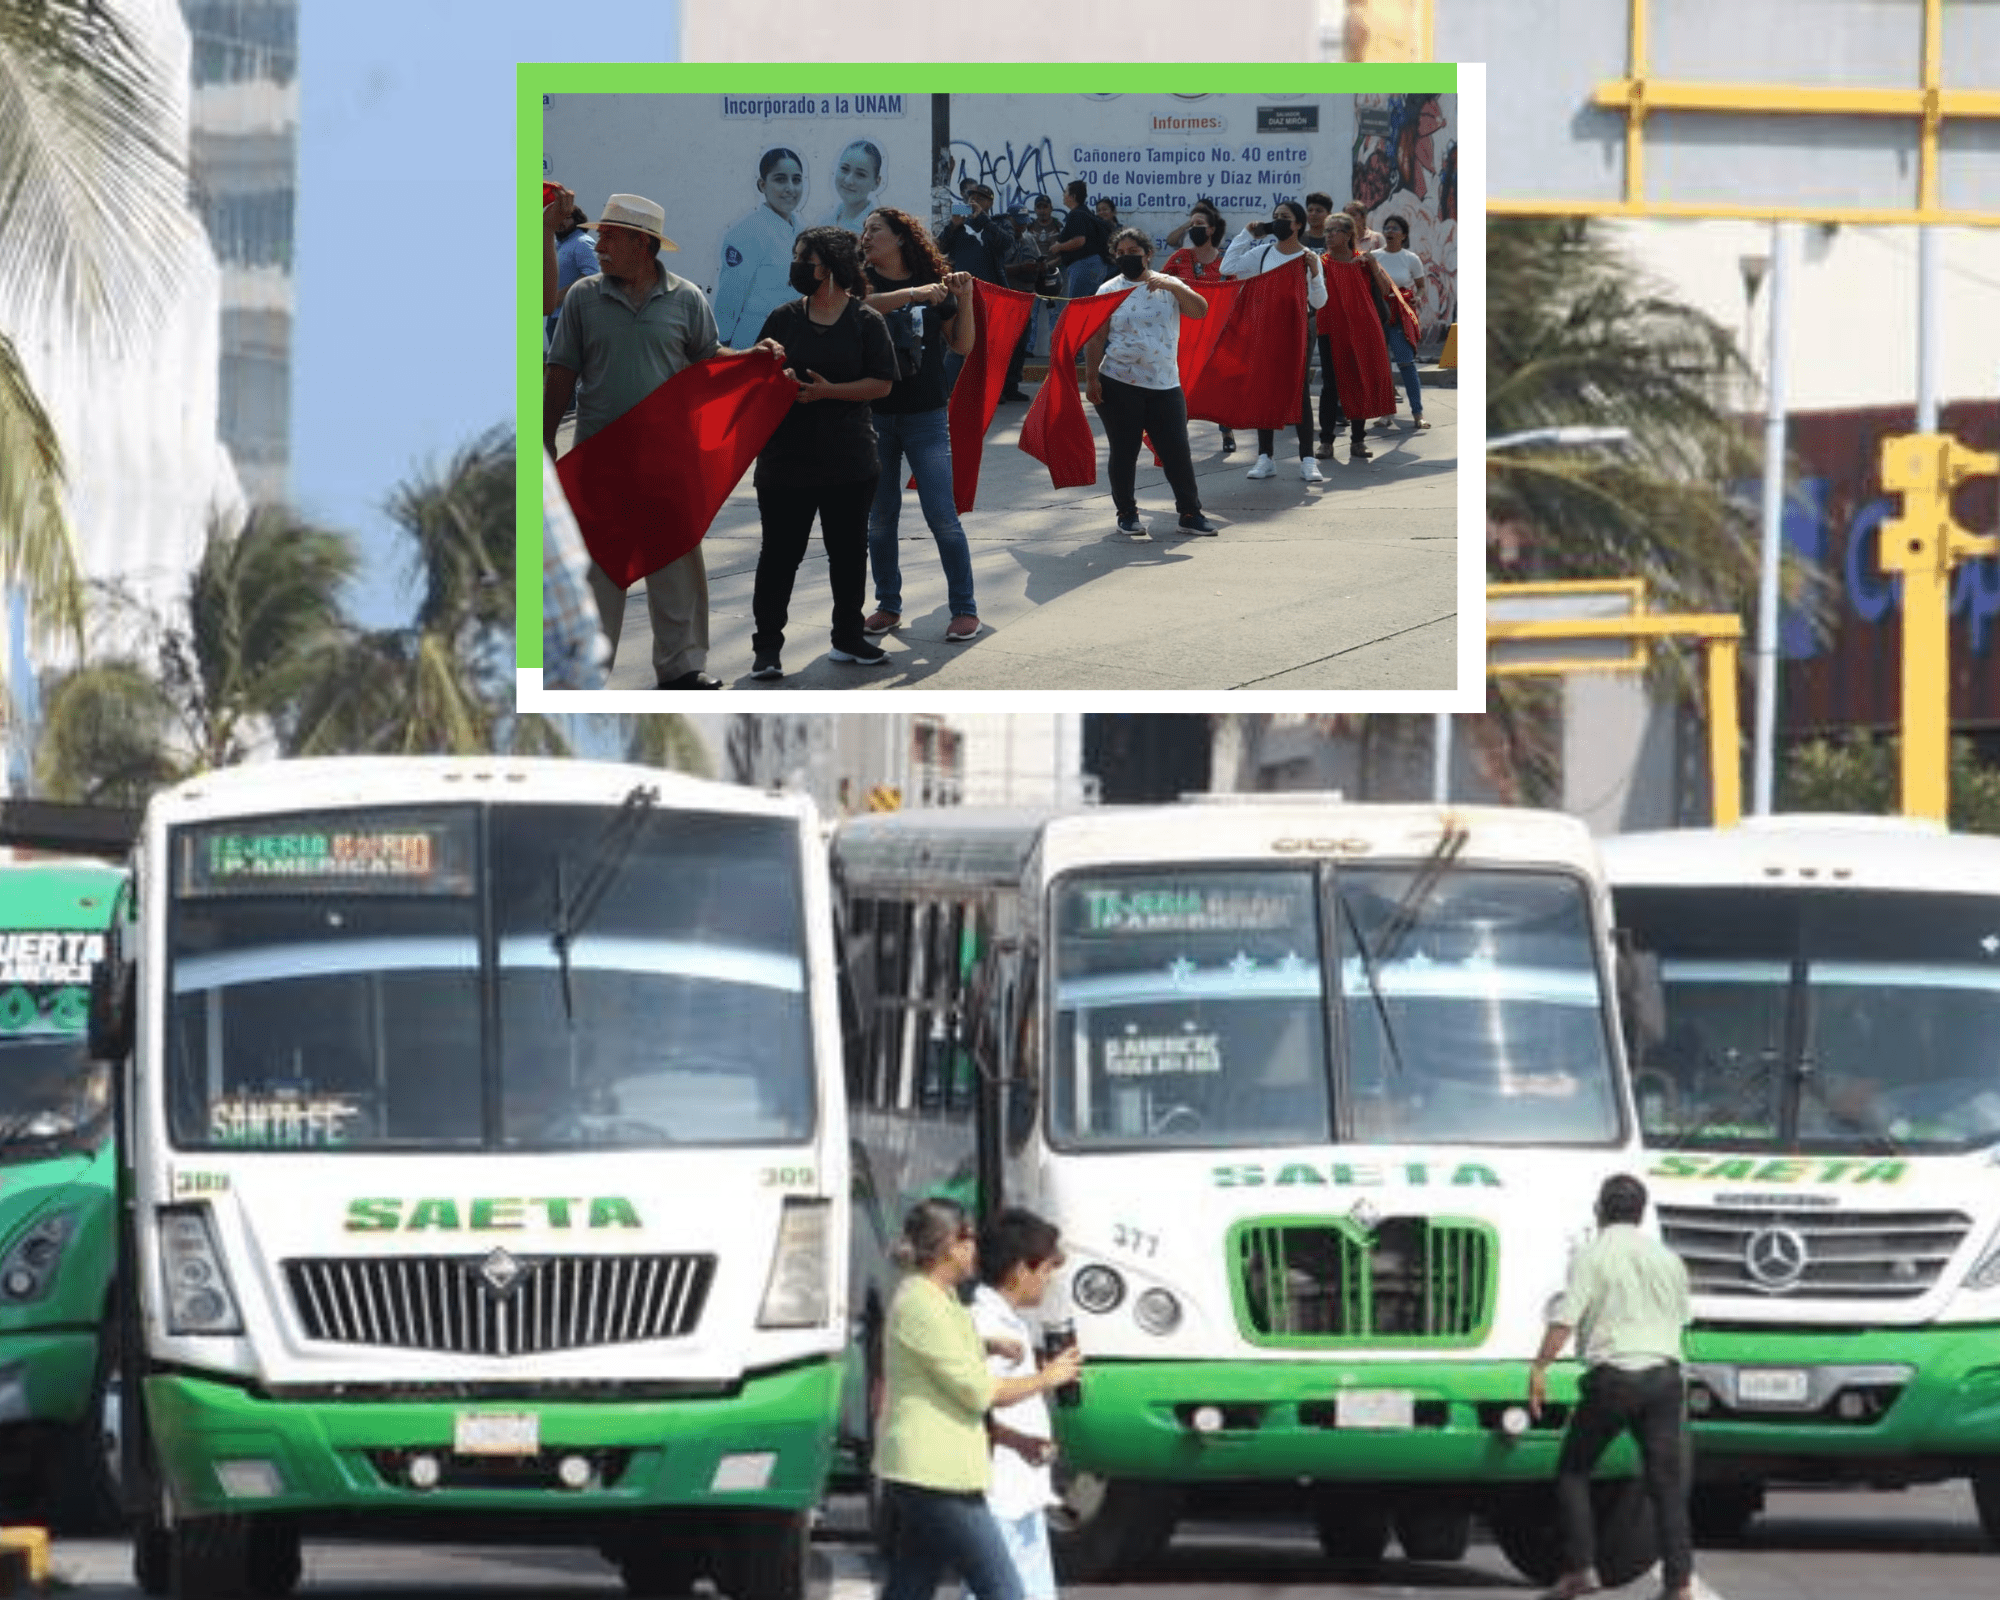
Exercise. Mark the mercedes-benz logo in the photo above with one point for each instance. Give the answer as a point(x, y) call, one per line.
point(1775, 1257)
point(502, 1272)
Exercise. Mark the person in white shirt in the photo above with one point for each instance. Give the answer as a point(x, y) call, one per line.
point(1266, 247)
point(1019, 1253)
point(1132, 371)
point(1406, 269)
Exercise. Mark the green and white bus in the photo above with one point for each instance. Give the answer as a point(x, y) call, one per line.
point(56, 1207)
point(1320, 1096)
point(1817, 1061)
point(485, 1168)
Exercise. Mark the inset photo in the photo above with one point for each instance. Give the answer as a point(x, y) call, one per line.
point(847, 384)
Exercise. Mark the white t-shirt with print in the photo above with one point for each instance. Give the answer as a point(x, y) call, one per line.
point(1144, 346)
point(1017, 1488)
point(1405, 266)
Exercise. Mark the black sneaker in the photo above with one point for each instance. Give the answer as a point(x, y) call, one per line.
point(1198, 524)
point(767, 665)
point(862, 654)
point(1133, 528)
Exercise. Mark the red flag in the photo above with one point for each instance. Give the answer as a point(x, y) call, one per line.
point(1256, 370)
point(1055, 431)
point(1243, 365)
point(999, 318)
point(1354, 333)
point(646, 486)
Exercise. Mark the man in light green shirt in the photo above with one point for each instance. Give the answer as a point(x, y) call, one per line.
point(1627, 1303)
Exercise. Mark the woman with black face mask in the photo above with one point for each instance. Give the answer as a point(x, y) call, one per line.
point(821, 461)
point(1200, 261)
point(1267, 247)
point(1132, 365)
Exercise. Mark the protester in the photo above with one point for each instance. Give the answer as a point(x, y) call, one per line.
point(1028, 268)
point(1266, 247)
point(554, 211)
point(574, 649)
point(1352, 327)
point(757, 252)
point(1044, 230)
point(1365, 237)
point(619, 336)
point(821, 461)
point(932, 1456)
point(1132, 371)
point(1019, 1253)
point(1200, 261)
point(1083, 244)
point(857, 177)
point(1405, 268)
point(1107, 216)
point(1318, 208)
point(933, 308)
point(1627, 1303)
point(977, 244)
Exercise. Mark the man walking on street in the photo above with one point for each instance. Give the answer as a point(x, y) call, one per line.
point(1627, 1302)
point(619, 335)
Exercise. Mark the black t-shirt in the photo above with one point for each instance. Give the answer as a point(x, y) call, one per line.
point(827, 441)
point(926, 389)
point(1083, 223)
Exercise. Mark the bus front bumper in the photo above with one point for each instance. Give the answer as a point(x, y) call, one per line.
point(1426, 1420)
point(1858, 1403)
point(46, 1375)
point(223, 1448)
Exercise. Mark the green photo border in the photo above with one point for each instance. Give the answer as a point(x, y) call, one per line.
point(534, 79)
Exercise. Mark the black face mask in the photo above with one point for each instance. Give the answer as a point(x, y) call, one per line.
point(1281, 230)
point(1134, 267)
point(802, 277)
point(1198, 235)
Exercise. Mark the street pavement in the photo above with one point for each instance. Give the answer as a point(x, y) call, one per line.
point(1350, 585)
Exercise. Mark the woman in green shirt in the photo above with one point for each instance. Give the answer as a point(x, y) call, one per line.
point(932, 1457)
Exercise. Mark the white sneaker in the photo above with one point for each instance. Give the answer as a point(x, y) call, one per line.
point(1309, 470)
point(1264, 467)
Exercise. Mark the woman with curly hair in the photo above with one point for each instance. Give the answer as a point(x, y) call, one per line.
point(929, 308)
point(821, 461)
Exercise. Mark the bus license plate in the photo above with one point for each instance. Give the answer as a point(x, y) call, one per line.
point(1771, 1386)
point(497, 1433)
point(1374, 1408)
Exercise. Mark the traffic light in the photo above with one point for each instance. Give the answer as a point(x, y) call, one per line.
point(1924, 544)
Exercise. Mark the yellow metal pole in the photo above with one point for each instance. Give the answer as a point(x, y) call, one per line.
point(1725, 740)
point(1927, 146)
point(1635, 110)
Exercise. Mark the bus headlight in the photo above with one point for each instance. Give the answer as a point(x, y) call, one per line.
point(199, 1299)
point(1157, 1311)
point(1985, 1273)
point(795, 1295)
point(28, 1271)
point(1097, 1289)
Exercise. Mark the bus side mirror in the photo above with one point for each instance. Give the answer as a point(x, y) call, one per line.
point(109, 1032)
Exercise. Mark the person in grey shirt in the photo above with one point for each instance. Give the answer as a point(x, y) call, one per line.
point(1627, 1302)
point(622, 333)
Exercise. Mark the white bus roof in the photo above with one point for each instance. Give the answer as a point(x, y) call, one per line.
point(986, 847)
point(1814, 850)
point(278, 787)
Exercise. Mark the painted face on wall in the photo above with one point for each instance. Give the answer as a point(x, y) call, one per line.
point(783, 186)
point(856, 176)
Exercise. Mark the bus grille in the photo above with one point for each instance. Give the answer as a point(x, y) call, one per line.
point(1851, 1255)
point(498, 1304)
point(1405, 1279)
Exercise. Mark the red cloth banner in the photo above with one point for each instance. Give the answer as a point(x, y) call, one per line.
point(645, 487)
point(1243, 365)
point(999, 318)
point(1354, 332)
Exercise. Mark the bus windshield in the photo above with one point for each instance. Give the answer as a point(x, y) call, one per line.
point(522, 977)
point(52, 1096)
point(1820, 1020)
point(1192, 1007)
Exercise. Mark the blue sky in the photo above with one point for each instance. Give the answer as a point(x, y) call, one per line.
point(402, 344)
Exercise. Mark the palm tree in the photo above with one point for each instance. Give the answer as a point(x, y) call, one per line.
point(93, 220)
point(213, 685)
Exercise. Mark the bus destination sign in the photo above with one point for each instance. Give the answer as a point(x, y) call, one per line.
point(396, 855)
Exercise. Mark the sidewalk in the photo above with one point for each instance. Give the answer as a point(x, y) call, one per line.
point(1347, 585)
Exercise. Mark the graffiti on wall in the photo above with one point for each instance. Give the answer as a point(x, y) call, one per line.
point(1406, 165)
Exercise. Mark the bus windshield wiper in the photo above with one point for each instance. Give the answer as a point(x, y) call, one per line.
point(574, 911)
point(1373, 973)
point(1450, 846)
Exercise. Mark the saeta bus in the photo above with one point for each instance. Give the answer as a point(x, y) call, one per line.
point(1320, 1096)
point(485, 1168)
point(1815, 1063)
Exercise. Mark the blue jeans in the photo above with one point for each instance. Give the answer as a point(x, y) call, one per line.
point(925, 439)
point(1085, 276)
point(936, 1531)
point(1406, 363)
